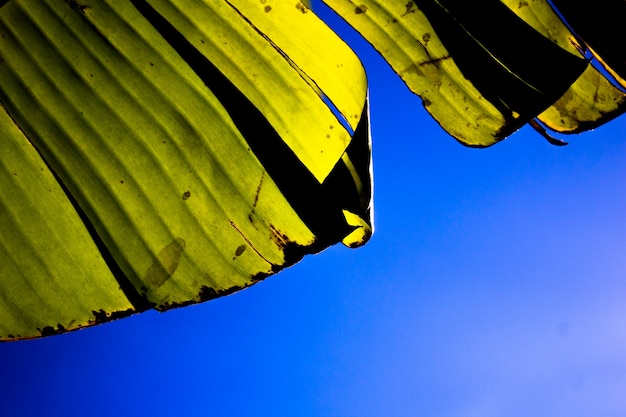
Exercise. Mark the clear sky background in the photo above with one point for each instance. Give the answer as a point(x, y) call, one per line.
point(494, 286)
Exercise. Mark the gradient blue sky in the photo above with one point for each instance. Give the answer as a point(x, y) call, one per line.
point(494, 286)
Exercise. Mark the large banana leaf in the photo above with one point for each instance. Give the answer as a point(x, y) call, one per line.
point(156, 154)
point(485, 69)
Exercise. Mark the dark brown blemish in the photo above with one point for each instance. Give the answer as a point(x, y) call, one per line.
point(278, 237)
point(256, 198)
point(240, 250)
point(302, 7)
point(261, 276)
point(267, 9)
point(292, 251)
point(258, 191)
point(410, 8)
point(207, 293)
point(51, 331)
point(186, 195)
point(360, 9)
point(435, 61)
point(74, 5)
point(102, 316)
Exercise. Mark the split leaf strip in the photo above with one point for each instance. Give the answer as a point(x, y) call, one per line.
point(485, 71)
point(513, 66)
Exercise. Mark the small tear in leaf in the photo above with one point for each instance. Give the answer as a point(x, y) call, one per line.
point(539, 129)
point(361, 233)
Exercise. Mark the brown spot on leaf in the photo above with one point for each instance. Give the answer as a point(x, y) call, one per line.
point(186, 195)
point(410, 8)
point(258, 191)
point(102, 316)
point(207, 293)
point(50, 331)
point(259, 277)
point(292, 251)
point(278, 237)
point(360, 9)
point(300, 6)
point(256, 198)
point(75, 5)
point(240, 250)
point(267, 9)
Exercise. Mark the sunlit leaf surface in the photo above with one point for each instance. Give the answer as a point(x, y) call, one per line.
point(159, 153)
point(165, 153)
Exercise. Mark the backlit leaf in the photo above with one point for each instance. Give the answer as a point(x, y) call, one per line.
point(191, 140)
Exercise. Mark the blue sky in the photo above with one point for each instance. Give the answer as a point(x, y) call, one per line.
point(493, 286)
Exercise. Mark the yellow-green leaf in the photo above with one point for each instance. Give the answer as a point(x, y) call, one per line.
point(53, 277)
point(592, 99)
point(481, 71)
point(191, 138)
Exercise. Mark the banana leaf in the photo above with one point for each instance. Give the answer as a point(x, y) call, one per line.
point(484, 70)
point(158, 154)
